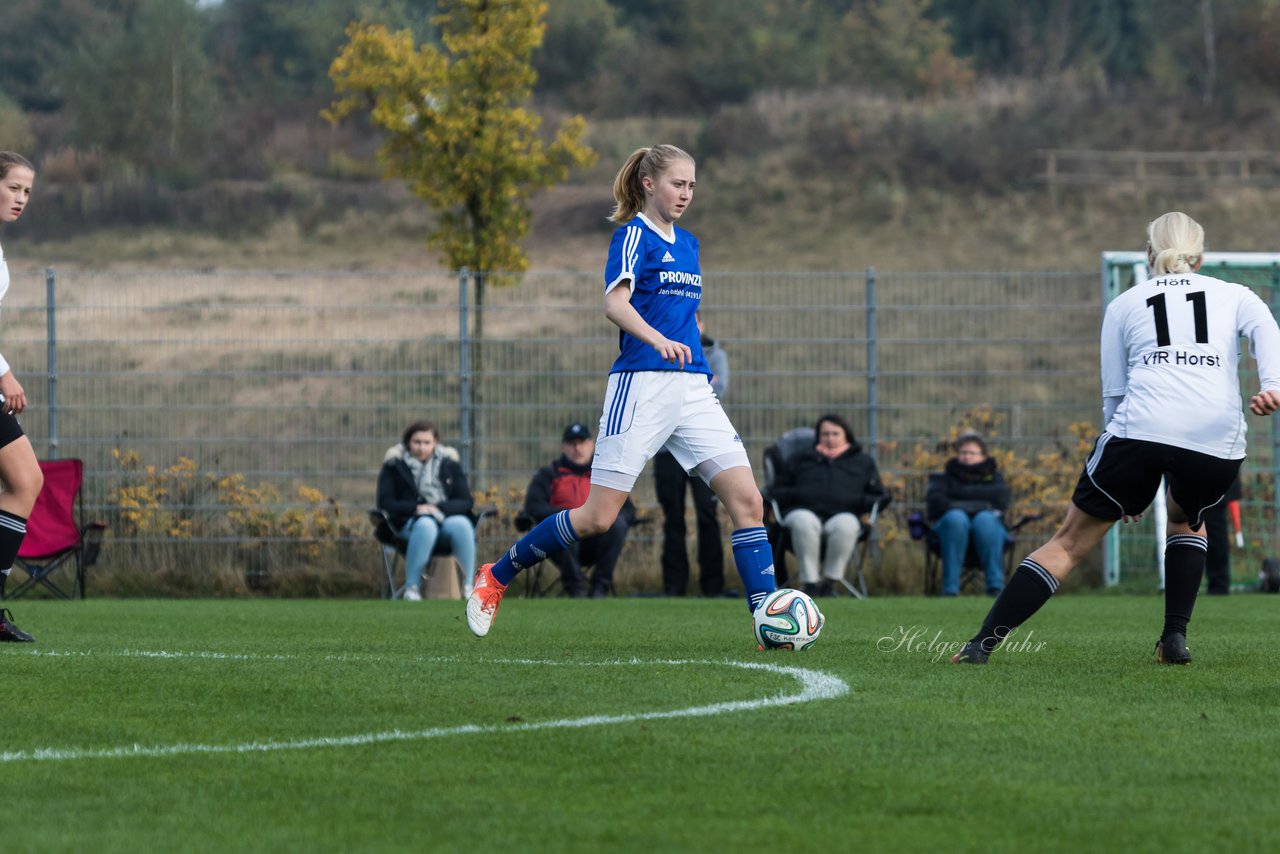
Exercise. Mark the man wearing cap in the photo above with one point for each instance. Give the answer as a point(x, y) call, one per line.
point(563, 485)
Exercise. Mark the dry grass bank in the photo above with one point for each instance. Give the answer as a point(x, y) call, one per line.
point(741, 227)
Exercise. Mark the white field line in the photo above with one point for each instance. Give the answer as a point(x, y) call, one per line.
point(814, 685)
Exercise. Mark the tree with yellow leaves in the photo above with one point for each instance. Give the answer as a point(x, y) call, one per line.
point(457, 132)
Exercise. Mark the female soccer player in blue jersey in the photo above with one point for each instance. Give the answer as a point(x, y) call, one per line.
point(1171, 409)
point(19, 470)
point(659, 392)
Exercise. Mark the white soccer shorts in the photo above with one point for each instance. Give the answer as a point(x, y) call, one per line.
point(645, 410)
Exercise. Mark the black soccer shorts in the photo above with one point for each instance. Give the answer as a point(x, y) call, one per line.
point(10, 431)
point(1121, 477)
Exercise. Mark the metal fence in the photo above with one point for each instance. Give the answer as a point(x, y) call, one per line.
point(214, 407)
point(271, 382)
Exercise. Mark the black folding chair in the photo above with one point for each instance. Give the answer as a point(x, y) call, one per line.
point(972, 578)
point(392, 548)
point(776, 457)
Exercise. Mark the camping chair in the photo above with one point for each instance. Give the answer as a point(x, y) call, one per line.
point(972, 578)
point(56, 533)
point(392, 548)
point(776, 457)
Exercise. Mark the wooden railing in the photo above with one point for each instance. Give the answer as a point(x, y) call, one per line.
point(1158, 169)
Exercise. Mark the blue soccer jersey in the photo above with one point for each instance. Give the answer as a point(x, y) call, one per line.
point(666, 288)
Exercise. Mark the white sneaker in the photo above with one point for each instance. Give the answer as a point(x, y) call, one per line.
point(411, 594)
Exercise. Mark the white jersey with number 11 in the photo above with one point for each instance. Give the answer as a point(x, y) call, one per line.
point(1170, 347)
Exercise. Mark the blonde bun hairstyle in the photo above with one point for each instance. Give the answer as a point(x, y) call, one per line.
point(1175, 242)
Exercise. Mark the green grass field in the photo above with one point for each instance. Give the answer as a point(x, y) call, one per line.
point(633, 725)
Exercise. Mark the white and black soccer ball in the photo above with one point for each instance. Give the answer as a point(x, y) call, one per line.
point(787, 619)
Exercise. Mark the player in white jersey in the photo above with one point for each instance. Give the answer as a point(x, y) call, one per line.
point(19, 471)
point(1171, 406)
point(659, 392)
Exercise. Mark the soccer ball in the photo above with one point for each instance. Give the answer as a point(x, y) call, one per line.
point(787, 619)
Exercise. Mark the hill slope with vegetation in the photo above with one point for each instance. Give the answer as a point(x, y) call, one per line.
point(831, 134)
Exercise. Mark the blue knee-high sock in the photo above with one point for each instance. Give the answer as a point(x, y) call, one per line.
point(551, 535)
point(754, 557)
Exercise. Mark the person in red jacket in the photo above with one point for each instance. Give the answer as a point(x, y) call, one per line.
point(563, 485)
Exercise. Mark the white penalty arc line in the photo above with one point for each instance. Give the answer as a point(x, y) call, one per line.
point(815, 685)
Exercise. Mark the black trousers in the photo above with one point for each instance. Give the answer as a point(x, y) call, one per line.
point(1217, 567)
point(601, 552)
point(670, 483)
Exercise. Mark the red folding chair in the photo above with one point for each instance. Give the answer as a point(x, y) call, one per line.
point(56, 535)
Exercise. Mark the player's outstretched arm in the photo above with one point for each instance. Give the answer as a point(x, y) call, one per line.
point(1264, 402)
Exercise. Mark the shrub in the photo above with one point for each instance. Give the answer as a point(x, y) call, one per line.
point(179, 521)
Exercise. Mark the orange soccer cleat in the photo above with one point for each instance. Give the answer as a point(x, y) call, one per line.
point(482, 604)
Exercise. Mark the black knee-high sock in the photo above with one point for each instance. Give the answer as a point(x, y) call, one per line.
point(1027, 591)
point(1184, 560)
point(12, 531)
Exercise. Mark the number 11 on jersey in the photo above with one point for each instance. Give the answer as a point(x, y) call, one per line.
point(1199, 312)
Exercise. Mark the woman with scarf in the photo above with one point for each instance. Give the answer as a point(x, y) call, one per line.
point(425, 492)
point(821, 492)
point(966, 502)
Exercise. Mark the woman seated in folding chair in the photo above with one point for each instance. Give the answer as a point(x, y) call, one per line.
point(821, 492)
point(19, 470)
point(966, 503)
point(425, 493)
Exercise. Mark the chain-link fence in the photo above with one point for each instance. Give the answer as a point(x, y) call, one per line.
point(233, 408)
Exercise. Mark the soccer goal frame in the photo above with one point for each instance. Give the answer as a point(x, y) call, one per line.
point(1261, 272)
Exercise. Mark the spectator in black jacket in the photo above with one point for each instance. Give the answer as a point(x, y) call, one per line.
point(423, 489)
point(563, 485)
point(966, 502)
point(821, 492)
point(670, 483)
